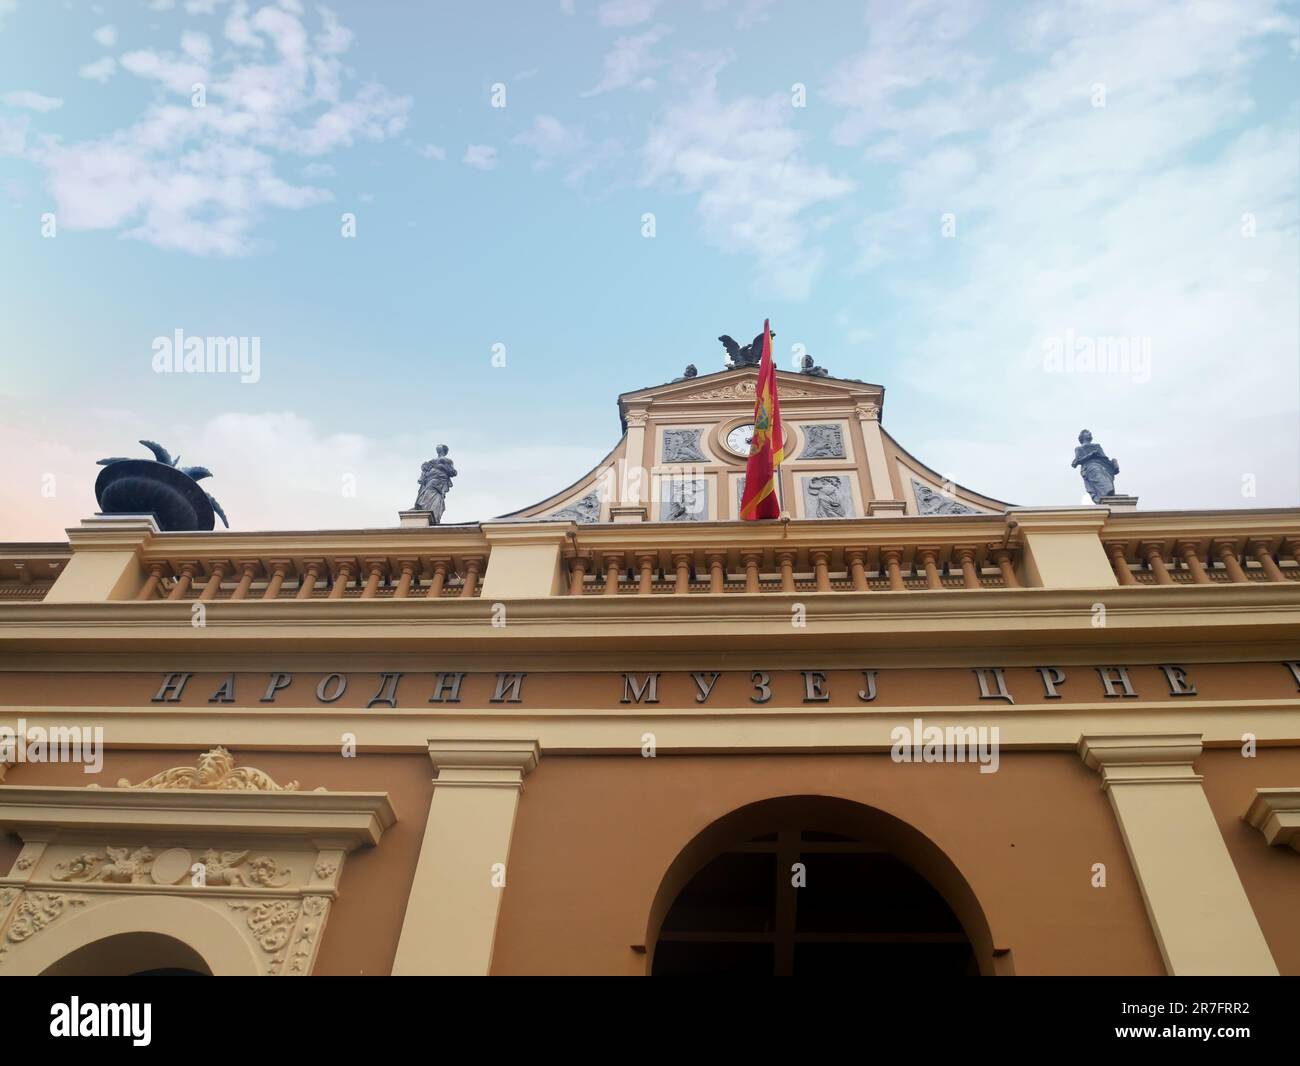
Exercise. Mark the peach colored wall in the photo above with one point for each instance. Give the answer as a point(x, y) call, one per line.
point(1270, 875)
point(595, 835)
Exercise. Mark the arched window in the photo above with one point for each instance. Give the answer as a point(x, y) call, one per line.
point(806, 897)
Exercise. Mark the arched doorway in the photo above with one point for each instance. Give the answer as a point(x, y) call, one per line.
point(136, 935)
point(131, 955)
point(812, 885)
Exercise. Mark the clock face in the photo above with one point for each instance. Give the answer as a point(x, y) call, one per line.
point(738, 439)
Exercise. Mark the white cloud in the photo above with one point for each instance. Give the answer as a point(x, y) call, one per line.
point(550, 139)
point(303, 488)
point(480, 155)
point(755, 190)
point(1123, 221)
point(100, 70)
point(31, 101)
point(623, 13)
point(7, 7)
point(556, 144)
point(13, 134)
point(174, 73)
point(198, 179)
point(106, 36)
point(567, 7)
point(432, 151)
point(630, 63)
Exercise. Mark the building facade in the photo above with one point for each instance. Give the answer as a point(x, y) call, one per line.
point(621, 732)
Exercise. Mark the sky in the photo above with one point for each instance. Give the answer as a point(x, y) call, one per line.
point(477, 224)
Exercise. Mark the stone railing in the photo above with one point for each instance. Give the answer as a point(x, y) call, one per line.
point(830, 567)
point(368, 567)
point(28, 571)
point(127, 559)
point(1144, 550)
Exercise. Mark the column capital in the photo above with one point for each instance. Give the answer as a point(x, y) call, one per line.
point(1275, 812)
point(483, 763)
point(1089, 519)
point(528, 532)
point(1141, 758)
point(112, 532)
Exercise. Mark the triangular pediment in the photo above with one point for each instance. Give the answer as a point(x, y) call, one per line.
point(741, 384)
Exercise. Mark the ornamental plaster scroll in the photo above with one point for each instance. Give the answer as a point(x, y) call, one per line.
point(215, 770)
point(143, 866)
point(743, 390)
point(25, 914)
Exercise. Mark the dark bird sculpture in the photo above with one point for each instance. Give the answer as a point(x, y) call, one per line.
point(141, 487)
point(750, 355)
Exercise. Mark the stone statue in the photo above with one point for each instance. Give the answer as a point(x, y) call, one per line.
point(435, 483)
point(688, 373)
point(807, 366)
point(1097, 468)
point(750, 355)
point(161, 487)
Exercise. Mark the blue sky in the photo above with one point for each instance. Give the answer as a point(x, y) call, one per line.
point(966, 188)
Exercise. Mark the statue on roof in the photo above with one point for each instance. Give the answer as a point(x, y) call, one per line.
point(1097, 468)
point(750, 355)
point(161, 487)
point(688, 373)
point(807, 366)
point(435, 483)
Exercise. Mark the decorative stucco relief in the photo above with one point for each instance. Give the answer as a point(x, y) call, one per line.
point(682, 446)
point(823, 441)
point(215, 770)
point(743, 390)
point(584, 510)
point(930, 501)
point(34, 911)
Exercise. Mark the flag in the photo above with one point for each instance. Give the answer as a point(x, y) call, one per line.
point(767, 447)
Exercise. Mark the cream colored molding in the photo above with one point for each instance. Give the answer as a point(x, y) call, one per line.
point(244, 877)
point(451, 914)
point(1202, 919)
point(776, 727)
point(1275, 812)
point(106, 559)
point(1062, 548)
point(1216, 615)
point(215, 770)
point(525, 559)
point(1137, 759)
point(335, 820)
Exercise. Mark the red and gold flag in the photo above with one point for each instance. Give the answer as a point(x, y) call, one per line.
point(767, 447)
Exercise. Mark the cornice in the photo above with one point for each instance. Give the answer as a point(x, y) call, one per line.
point(1275, 812)
point(1212, 614)
point(344, 820)
point(1142, 758)
point(1058, 520)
